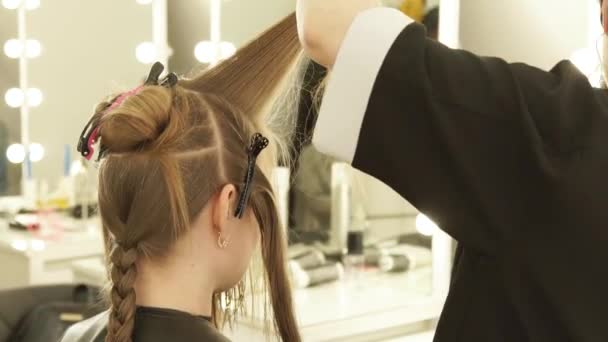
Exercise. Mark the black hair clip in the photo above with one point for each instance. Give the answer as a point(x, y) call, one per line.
point(258, 143)
point(87, 139)
point(154, 75)
point(90, 133)
point(168, 81)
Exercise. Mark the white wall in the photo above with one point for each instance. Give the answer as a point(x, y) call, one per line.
point(538, 32)
point(243, 19)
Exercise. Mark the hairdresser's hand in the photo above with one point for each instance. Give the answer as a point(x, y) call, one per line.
point(323, 24)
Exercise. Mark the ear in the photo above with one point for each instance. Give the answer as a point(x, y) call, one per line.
point(224, 207)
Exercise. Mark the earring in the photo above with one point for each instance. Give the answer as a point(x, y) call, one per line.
point(222, 243)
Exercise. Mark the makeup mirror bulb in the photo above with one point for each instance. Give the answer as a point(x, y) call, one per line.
point(227, 49)
point(36, 152)
point(11, 4)
point(146, 52)
point(34, 97)
point(33, 48)
point(14, 97)
point(76, 167)
point(20, 245)
point(585, 60)
point(15, 153)
point(38, 245)
point(12, 48)
point(204, 52)
point(425, 225)
point(32, 4)
point(14, 4)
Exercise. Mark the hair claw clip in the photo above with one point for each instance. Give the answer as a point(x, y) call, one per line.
point(258, 144)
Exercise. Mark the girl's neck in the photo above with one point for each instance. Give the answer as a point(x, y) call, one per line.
point(173, 287)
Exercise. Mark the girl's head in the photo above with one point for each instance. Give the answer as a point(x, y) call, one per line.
point(175, 158)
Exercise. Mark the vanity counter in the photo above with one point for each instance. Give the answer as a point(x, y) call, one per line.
point(46, 256)
point(378, 306)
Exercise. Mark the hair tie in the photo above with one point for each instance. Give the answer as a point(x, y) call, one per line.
point(258, 144)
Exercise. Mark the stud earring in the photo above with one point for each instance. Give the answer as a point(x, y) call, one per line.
point(222, 243)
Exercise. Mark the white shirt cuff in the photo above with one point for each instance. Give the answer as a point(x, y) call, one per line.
point(352, 79)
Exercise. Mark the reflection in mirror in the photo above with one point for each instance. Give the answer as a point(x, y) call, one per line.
point(350, 235)
point(85, 56)
point(10, 127)
point(340, 215)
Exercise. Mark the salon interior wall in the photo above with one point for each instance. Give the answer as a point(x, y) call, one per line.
point(432, 3)
point(241, 20)
point(10, 128)
point(538, 32)
point(88, 52)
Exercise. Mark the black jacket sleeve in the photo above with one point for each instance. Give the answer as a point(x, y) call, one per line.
point(477, 144)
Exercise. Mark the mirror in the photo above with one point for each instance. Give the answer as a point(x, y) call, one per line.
point(401, 259)
point(84, 57)
point(10, 122)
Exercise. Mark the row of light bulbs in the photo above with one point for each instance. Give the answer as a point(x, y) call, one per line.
point(205, 51)
point(16, 97)
point(15, 153)
point(14, 4)
point(14, 48)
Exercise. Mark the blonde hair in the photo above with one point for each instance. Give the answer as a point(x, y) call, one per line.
point(168, 150)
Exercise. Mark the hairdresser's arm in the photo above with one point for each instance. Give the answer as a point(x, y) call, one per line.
point(475, 143)
point(322, 25)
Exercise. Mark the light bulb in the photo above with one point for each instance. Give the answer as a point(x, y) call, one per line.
point(32, 48)
point(227, 49)
point(425, 226)
point(36, 152)
point(34, 97)
point(146, 52)
point(38, 245)
point(20, 245)
point(76, 167)
point(11, 4)
point(205, 52)
point(32, 4)
point(585, 60)
point(144, 2)
point(15, 153)
point(12, 48)
point(14, 97)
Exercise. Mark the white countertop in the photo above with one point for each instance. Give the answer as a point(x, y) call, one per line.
point(45, 256)
point(378, 305)
point(374, 292)
point(72, 238)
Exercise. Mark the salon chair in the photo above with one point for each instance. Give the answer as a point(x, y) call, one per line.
point(22, 308)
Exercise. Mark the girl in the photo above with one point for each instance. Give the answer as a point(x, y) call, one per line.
point(185, 197)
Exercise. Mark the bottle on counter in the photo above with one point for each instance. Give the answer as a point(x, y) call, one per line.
point(354, 260)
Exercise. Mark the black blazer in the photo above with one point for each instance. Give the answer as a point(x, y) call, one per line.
point(512, 162)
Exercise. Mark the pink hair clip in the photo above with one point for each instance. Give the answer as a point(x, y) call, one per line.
point(90, 133)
